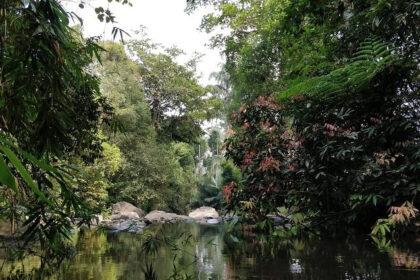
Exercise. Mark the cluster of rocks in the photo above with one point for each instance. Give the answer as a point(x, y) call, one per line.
point(127, 217)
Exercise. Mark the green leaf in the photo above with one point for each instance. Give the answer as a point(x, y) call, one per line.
point(382, 229)
point(25, 175)
point(6, 176)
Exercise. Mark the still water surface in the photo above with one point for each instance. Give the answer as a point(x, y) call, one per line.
point(209, 252)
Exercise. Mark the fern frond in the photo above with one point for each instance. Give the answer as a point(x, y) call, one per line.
point(372, 57)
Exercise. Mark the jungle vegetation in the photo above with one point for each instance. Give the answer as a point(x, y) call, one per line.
point(320, 100)
point(86, 123)
point(324, 119)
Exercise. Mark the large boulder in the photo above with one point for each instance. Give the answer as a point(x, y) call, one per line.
point(126, 216)
point(130, 225)
point(158, 216)
point(204, 213)
point(123, 208)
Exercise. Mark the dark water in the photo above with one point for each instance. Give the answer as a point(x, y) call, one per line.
point(209, 252)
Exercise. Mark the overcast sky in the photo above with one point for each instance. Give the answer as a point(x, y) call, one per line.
point(166, 23)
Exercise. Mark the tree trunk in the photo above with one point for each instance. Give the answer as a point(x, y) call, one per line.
point(155, 113)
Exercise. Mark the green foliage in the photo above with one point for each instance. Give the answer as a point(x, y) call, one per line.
point(334, 132)
point(372, 58)
point(219, 173)
point(215, 141)
point(178, 104)
point(184, 153)
point(274, 45)
point(230, 173)
point(50, 110)
point(157, 166)
point(342, 150)
point(46, 87)
point(94, 180)
point(47, 205)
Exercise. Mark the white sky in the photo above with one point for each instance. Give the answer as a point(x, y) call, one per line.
point(166, 23)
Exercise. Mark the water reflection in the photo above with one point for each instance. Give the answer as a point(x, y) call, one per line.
point(210, 252)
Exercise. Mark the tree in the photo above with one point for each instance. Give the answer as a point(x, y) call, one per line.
point(304, 71)
point(215, 141)
point(178, 104)
point(50, 109)
point(94, 181)
point(341, 148)
point(275, 44)
point(156, 170)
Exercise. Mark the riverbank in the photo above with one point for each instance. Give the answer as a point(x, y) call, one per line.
point(127, 217)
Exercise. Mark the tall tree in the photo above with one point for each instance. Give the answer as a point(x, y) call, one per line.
point(177, 102)
point(156, 172)
point(304, 71)
point(50, 108)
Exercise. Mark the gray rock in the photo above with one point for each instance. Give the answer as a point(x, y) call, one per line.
point(158, 216)
point(204, 213)
point(213, 221)
point(125, 207)
point(130, 225)
point(119, 226)
point(125, 216)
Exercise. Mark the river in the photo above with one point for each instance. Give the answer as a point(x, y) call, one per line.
point(194, 251)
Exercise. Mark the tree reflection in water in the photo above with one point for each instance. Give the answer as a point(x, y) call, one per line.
point(192, 251)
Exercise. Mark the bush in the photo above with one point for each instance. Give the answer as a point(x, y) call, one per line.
point(341, 148)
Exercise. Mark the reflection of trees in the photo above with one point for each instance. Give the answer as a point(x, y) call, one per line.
point(351, 258)
point(214, 253)
point(404, 259)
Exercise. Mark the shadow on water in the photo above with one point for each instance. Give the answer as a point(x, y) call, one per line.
point(193, 251)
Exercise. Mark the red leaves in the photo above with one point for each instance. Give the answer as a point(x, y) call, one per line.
point(375, 120)
point(264, 101)
point(256, 147)
point(330, 127)
point(247, 160)
point(268, 126)
point(269, 164)
point(229, 190)
point(329, 133)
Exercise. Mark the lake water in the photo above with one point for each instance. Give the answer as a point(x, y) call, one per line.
point(193, 251)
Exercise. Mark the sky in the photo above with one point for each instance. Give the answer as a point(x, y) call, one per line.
point(166, 23)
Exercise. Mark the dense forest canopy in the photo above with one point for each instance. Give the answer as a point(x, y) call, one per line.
point(329, 121)
point(85, 124)
point(161, 106)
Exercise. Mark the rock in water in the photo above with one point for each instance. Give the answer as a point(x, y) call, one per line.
point(204, 213)
point(126, 216)
point(122, 208)
point(213, 221)
point(157, 216)
point(130, 226)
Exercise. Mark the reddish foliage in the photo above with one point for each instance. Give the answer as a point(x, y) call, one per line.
point(269, 164)
point(229, 190)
